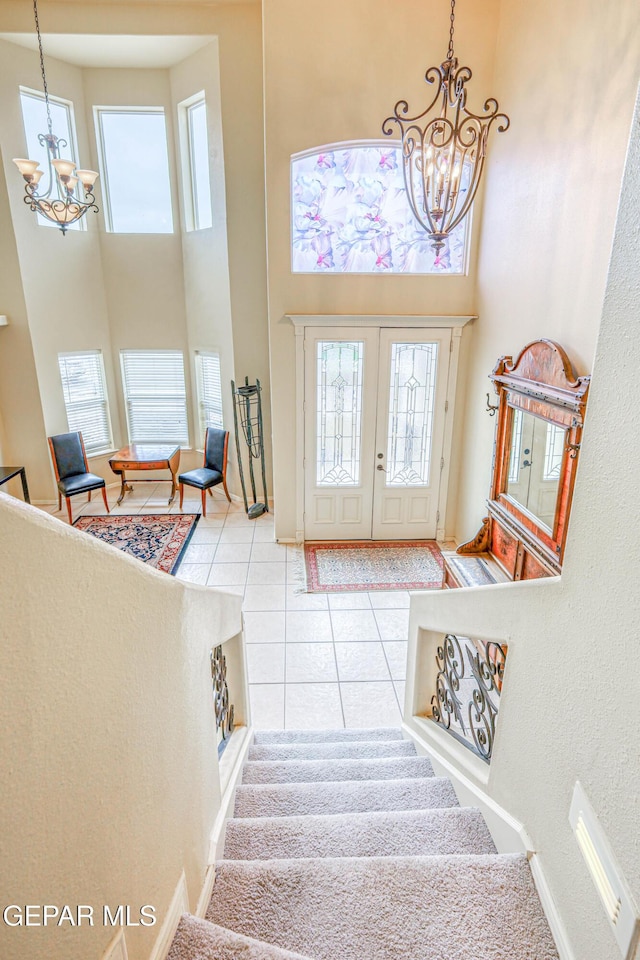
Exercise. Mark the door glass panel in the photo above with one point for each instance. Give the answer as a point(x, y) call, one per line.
point(339, 412)
point(411, 407)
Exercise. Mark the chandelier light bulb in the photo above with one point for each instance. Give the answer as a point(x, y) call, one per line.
point(87, 178)
point(64, 168)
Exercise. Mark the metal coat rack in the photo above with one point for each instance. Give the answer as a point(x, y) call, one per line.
point(247, 412)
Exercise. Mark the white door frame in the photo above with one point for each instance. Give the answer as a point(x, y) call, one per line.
point(301, 321)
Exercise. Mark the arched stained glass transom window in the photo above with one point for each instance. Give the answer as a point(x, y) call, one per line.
point(350, 215)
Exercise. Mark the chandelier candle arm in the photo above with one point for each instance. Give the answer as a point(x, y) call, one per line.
point(444, 148)
point(59, 203)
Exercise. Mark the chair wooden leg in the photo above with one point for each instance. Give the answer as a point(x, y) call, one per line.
point(104, 497)
point(59, 501)
point(181, 494)
point(211, 492)
point(68, 499)
point(204, 503)
point(89, 496)
point(224, 484)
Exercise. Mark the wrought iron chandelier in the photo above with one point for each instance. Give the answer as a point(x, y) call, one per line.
point(60, 202)
point(444, 148)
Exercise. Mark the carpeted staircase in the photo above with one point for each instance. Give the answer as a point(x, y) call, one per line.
point(345, 846)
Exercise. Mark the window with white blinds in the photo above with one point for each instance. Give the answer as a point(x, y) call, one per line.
point(155, 396)
point(85, 398)
point(209, 385)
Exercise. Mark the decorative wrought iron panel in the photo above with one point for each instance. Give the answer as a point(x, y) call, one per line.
point(468, 687)
point(411, 401)
point(223, 708)
point(339, 412)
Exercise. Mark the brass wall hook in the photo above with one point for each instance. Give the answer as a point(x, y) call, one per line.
point(491, 408)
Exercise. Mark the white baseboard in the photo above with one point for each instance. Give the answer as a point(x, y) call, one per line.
point(230, 773)
point(509, 834)
point(550, 908)
point(179, 905)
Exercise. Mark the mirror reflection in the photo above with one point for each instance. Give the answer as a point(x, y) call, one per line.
point(537, 449)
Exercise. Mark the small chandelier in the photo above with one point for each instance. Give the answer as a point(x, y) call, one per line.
point(61, 202)
point(443, 155)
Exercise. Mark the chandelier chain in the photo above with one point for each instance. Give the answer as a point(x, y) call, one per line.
point(44, 76)
point(452, 19)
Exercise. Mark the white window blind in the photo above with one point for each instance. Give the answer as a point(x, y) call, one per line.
point(155, 396)
point(85, 398)
point(209, 390)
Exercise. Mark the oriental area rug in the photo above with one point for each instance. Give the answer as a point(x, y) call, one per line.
point(373, 565)
point(158, 539)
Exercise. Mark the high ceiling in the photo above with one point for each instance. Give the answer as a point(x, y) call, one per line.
point(112, 51)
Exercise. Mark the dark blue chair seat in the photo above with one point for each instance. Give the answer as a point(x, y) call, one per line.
point(80, 483)
point(214, 470)
point(202, 478)
point(72, 470)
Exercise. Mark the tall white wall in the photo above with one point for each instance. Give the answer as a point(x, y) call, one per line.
point(570, 708)
point(333, 72)
point(108, 759)
point(567, 76)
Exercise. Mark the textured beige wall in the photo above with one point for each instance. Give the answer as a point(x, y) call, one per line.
point(108, 760)
point(570, 708)
point(567, 76)
point(334, 72)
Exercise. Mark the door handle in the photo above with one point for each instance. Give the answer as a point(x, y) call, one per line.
point(380, 467)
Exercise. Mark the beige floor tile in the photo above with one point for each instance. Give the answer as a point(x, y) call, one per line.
point(396, 654)
point(233, 553)
point(267, 705)
point(264, 627)
point(265, 662)
point(400, 687)
point(260, 597)
point(370, 704)
point(264, 552)
point(354, 625)
point(264, 531)
point(204, 534)
point(305, 601)
point(313, 706)
point(199, 552)
point(267, 573)
point(396, 599)
point(310, 662)
point(361, 661)
point(194, 572)
point(349, 601)
point(393, 624)
point(308, 626)
point(228, 574)
point(237, 535)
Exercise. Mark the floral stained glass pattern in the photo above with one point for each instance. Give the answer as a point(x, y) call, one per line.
point(339, 412)
point(411, 401)
point(350, 215)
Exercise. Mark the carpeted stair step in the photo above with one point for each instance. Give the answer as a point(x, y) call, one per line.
point(347, 750)
point(314, 771)
point(351, 796)
point(200, 940)
point(387, 908)
point(460, 830)
point(327, 736)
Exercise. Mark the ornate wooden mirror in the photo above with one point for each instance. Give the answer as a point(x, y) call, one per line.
point(540, 416)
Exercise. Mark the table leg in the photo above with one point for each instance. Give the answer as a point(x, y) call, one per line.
point(123, 487)
point(174, 487)
point(25, 488)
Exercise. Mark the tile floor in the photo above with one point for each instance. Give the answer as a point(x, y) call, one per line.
point(314, 660)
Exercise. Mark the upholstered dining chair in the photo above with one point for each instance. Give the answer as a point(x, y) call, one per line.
point(214, 470)
point(72, 470)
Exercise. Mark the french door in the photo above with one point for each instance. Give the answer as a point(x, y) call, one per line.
point(374, 429)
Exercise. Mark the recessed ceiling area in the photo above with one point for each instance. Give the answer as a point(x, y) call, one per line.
point(112, 51)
